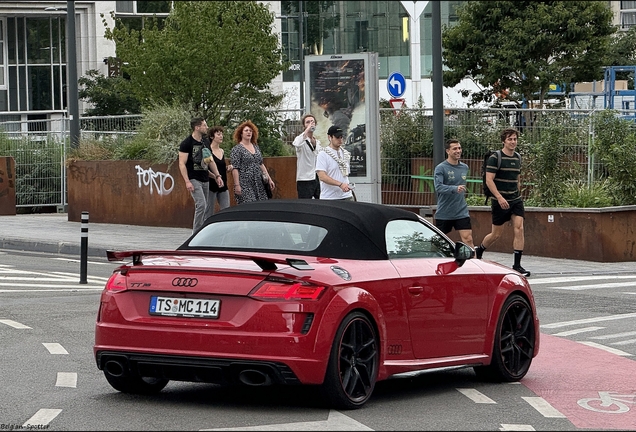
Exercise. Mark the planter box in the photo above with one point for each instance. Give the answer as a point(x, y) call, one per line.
point(593, 234)
point(138, 193)
point(7, 186)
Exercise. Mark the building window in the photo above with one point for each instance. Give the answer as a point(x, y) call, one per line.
point(628, 19)
point(136, 15)
point(3, 69)
point(143, 7)
point(449, 17)
point(35, 64)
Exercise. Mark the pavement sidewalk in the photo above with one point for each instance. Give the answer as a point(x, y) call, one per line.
point(53, 233)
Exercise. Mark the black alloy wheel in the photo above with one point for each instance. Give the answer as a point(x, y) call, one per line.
point(353, 363)
point(514, 342)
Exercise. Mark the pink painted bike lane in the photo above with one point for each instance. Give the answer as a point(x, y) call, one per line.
point(567, 372)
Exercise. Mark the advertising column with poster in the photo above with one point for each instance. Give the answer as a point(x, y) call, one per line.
point(342, 90)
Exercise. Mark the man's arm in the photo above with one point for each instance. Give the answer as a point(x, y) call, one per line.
point(490, 182)
point(440, 186)
point(183, 158)
point(323, 177)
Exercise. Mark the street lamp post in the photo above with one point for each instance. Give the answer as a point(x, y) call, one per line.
point(301, 54)
point(71, 72)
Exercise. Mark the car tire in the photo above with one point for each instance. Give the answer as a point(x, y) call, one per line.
point(136, 385)
point(353, 363)
point(514, 343)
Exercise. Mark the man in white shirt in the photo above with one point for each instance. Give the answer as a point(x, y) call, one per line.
point(307, 148)
point(332, 166)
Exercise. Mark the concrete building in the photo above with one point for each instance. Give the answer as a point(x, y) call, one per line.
point(33, 73)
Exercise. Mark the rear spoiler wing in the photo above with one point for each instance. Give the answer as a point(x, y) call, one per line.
point(265, 263)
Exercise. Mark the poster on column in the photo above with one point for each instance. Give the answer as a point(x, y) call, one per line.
point(342, 90)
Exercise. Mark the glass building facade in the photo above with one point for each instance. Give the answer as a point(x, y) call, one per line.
point(33, 43)
point(347, 27)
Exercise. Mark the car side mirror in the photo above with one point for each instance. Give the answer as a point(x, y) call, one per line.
point(463, 252)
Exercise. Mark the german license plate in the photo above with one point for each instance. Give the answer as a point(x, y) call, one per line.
point(184, 307)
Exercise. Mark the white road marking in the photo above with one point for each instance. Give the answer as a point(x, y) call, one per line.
point(615, 335)
point(335, 422)
point(54, 348)
point(543, 407)
point(591, 286)
point(476, 396)
point(589, 320)
point(74, 275)
point(14, 324)
point(38, 285)
point(625, 342)
point(88, 262)
point(568, 279)
point(577, 331)
point(52, 290)
point(66, 379)
point(42, 417)
point(36, 279)
point(606, 348)
point(515, 427)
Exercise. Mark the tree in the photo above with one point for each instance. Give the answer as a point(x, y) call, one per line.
point(109, 96)
point(521, 47)
point(219, 58)
point(622, 52)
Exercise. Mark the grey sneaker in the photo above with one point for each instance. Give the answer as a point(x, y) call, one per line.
point(521, 270)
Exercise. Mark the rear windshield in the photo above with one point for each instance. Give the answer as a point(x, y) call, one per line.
point(268, 235)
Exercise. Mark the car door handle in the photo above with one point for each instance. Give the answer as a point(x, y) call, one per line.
point(416, 290)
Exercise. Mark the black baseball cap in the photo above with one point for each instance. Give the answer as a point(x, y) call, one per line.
point(335, 131)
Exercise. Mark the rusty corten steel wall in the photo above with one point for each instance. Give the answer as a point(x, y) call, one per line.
point(602, 235)
point(7, 186)
point(114, 192)
point(138, 193)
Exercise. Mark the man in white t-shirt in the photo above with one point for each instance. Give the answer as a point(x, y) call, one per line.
point(307, 148)
point(332, 167)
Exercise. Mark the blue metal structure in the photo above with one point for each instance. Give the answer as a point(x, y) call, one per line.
point(620, 100)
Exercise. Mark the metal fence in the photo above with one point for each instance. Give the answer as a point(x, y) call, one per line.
point(406, 146)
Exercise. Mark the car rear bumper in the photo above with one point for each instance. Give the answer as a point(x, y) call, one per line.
point(195, 369)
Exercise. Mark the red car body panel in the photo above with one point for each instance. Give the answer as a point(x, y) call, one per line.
point(283, 310)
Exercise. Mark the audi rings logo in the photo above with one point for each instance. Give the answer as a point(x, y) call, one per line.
point(185, 282)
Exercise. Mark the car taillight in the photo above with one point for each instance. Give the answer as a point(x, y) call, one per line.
point(117, 282)
point(287, 291)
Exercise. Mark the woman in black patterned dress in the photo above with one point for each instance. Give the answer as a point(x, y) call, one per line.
point(249, 170)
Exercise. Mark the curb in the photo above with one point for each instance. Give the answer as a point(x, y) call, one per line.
point(51, 247)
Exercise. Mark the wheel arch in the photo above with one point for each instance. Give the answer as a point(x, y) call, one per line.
point(348, 300)
point(519, 287)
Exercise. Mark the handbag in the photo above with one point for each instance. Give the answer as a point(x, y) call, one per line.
point(268, 190)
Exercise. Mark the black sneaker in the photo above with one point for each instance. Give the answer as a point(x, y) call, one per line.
point(521, 270)
point(479, 251)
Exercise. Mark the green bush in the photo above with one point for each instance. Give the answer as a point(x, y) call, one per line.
point(38, 168)
point(614, 147)
point(577, 193)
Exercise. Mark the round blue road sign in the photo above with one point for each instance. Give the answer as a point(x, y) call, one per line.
point(396, 84)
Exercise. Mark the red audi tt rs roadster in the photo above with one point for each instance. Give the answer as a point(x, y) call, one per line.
point(337, 294)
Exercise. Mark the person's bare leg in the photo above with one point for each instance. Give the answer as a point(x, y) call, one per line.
point(466, 236)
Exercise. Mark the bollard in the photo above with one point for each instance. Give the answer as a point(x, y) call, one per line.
point(84, 249)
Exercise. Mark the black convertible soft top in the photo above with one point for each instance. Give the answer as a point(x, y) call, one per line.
point(356, 230)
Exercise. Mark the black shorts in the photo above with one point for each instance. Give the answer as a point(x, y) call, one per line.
point(308, 189)
point(501, 216)
point(446, 226)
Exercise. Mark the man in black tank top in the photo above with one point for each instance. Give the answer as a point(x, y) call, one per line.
point(506, 204)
